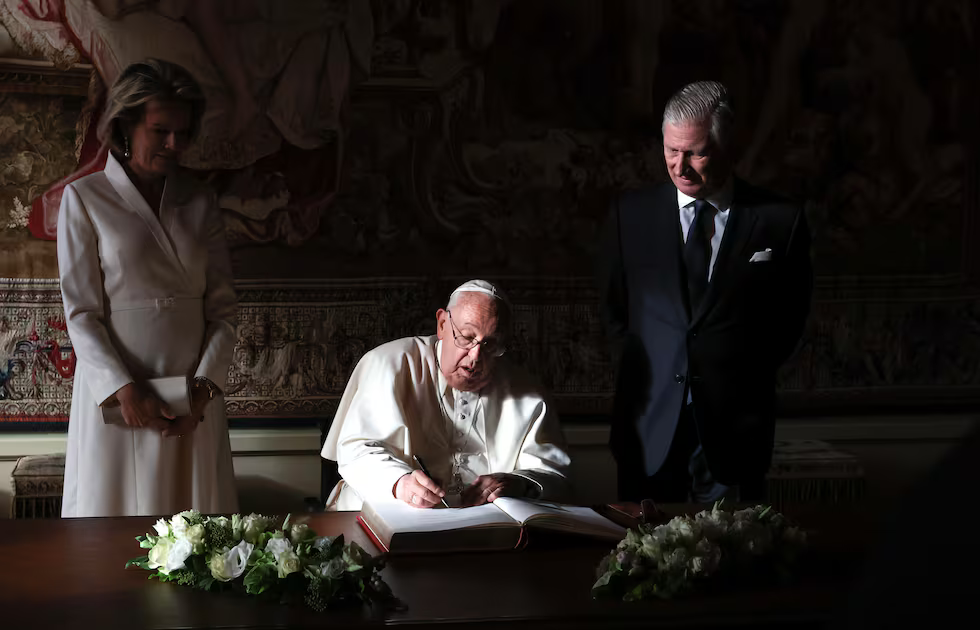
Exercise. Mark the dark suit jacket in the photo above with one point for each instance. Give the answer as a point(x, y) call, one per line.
point(728, 352)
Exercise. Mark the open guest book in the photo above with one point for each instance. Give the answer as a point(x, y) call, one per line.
point(399, 528)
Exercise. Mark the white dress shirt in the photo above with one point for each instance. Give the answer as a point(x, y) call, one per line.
point(722, 203)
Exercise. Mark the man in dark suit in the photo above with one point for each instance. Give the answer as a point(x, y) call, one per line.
point(705, 287)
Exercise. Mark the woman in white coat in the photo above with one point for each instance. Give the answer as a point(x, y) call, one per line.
point(147, 288)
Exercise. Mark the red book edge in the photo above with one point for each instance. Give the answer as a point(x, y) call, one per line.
point(370, 534)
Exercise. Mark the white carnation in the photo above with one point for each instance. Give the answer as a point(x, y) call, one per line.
point(231, 564)
point(179, 552)
point(162, 528)
point(277, 546)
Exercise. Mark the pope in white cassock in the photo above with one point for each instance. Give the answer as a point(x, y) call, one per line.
point(480, 425)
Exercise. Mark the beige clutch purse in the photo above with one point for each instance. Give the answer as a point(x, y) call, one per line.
point(173, 390)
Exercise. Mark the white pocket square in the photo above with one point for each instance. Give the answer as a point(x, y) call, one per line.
point(764, 255)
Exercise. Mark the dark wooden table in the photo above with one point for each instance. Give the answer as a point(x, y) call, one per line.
point(69, 574)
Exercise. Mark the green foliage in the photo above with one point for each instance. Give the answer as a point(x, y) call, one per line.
point(665, 561)
point(255, 555)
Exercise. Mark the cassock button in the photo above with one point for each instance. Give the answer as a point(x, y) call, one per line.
point(679, 378)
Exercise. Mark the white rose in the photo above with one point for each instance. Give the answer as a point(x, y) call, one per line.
point(277, 546)
point(300, 532)
point(254, 525)
point(162, 528)
point(231, 564)
point(333, 568)
point(178, 526)
point(650, 547)
point(191, 516)
point(288, 562)
point(195, 536)
point(681, 527)
point(158, 555)
point(179, 552)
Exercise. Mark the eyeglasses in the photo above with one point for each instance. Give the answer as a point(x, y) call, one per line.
point(491, 346)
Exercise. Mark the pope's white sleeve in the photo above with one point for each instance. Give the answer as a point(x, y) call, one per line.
point(369, 436)
point(544, 459)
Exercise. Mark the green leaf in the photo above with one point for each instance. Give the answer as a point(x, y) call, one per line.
point(260, 578)
point(142, 562)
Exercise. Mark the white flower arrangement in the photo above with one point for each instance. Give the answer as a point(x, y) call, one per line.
point(254, 554)
point(663, 561)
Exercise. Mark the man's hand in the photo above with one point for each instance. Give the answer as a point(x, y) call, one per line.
point(182, 425)
point(489, 488)
point(418, 490)
point(142, 410)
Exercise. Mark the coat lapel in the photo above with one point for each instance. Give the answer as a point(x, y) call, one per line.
point(124, 187)
point(667, 221)
point(741, 220)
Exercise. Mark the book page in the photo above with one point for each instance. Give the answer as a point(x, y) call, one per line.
point(570, 518)
point(399, 517)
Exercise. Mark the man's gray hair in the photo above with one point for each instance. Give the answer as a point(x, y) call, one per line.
point(141, 83)
point(703, 101)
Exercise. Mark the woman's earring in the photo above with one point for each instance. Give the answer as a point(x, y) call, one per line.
point(126, 153)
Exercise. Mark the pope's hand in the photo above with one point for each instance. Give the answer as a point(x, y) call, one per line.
point(418, 490)
point(489, 488)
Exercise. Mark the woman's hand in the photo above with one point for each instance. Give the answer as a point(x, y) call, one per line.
point(182, 425)
point(141, 410)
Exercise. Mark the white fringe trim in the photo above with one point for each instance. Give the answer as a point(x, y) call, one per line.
point(36, 44)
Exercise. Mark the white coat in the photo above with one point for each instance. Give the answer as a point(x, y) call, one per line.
point(144, 297)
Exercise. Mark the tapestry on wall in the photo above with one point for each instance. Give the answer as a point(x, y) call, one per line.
point(487, 139)
point(298, 343)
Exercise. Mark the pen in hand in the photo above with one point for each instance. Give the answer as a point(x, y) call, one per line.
point(418, 460)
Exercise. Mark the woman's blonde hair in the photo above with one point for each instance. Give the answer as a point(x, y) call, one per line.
point(141, 83)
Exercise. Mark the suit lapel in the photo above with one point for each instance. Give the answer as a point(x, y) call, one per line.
point(741, 221)
point(127, 190)
point(667, 223)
